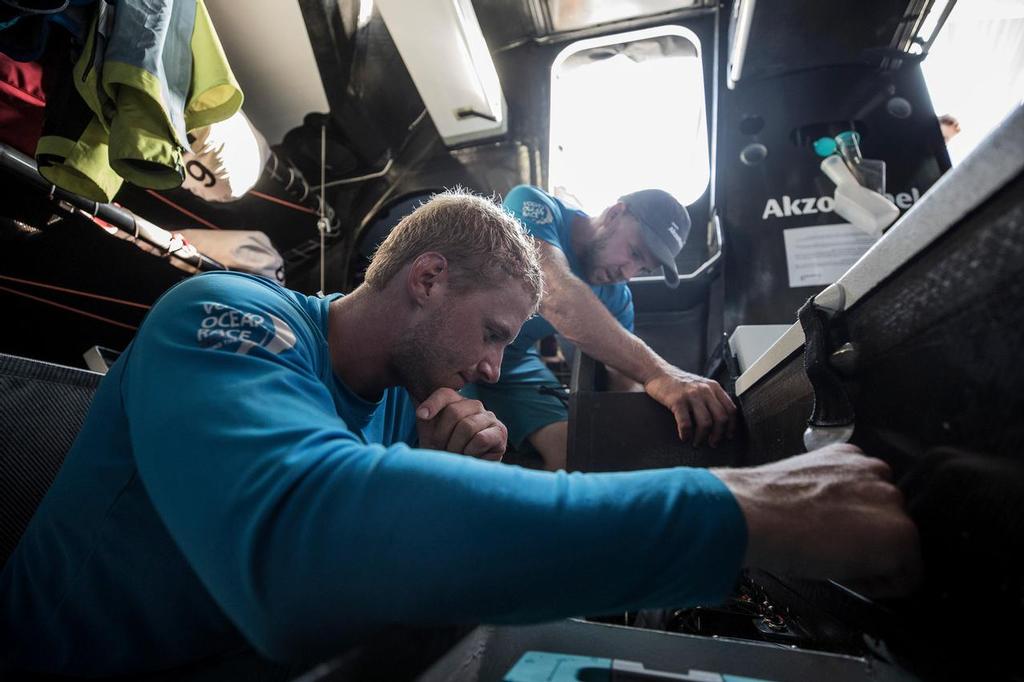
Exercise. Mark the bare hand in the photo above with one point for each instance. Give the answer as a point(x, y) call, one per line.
point(832, 513)
point(700, 405)
point(448, 421)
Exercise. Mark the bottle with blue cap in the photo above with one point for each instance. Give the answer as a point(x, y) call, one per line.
point(869, 172)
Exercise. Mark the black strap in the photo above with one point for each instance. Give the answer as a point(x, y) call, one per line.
point(832, 406)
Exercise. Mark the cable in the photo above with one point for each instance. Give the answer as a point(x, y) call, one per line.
point(323, 164)
point(69, 308)
point(182, 209)
point(359, 178)
point(276, 200)
point(369, 176)
point(322, 224)
point(76, 292)
point(416, 121)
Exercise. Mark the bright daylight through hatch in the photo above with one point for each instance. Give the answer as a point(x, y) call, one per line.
point(628, 113)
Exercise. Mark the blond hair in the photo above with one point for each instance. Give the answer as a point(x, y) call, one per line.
point(483, 244)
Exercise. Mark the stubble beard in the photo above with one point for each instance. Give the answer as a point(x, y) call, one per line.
point(591, 255)
point(419, 359)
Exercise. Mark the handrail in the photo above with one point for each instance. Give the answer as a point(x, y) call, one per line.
point(124, 220)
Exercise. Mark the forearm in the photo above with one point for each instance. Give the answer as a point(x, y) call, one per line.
point(579, 316)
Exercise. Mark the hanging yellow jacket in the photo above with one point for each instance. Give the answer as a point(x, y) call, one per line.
point(148, 74)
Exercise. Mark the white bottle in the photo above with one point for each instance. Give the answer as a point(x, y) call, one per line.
point(867, 210)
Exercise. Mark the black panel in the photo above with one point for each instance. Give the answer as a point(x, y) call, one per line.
point(618, 431)
point(789, 111)
point(796, 35)
point(615, 431)
point(946, 335)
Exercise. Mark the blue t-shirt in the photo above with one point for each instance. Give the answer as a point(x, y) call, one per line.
point(227, 490)
point(549, 220)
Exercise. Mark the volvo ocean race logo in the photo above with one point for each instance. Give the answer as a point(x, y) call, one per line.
point(537, 212)
point(789, 206)
point(231, 329)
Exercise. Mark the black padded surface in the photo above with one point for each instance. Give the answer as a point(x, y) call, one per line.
point(826, 101)
point(938, 350)
point(625, 431)
point(937, 393)
point(42, 407)
point(618, 431)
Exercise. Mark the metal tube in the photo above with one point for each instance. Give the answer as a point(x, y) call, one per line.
point(21, 165)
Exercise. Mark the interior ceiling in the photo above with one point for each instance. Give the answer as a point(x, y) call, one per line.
point(507, 22)
point(269, 51)
point(794, 35)
point(573, 15)
point(268, 45)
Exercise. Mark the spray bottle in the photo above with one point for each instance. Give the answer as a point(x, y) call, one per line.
point(863, 208)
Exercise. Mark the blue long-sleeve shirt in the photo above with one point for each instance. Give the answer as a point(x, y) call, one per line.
point(227, 488)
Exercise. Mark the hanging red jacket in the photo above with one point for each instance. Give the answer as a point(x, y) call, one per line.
point(22, 103)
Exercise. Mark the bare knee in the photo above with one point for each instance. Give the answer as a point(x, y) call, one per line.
point(551, 442)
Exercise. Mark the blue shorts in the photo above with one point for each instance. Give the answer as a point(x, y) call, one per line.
point(515, 398)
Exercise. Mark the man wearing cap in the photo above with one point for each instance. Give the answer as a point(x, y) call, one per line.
point(587, 262)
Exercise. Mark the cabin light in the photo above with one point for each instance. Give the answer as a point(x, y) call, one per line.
point(444, 50)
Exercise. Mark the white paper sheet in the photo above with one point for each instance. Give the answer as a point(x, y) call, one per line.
point(820, 254)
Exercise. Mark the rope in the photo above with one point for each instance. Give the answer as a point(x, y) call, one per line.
point(359, 178)
point(69, 308)
point(289, 204)
point(98, 297)
point(190, 214)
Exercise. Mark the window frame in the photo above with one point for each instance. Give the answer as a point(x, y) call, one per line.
point(623, 38)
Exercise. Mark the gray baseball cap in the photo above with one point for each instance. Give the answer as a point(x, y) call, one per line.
point(665, 225)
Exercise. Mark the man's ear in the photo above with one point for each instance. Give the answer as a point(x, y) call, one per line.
point(616, 210)
point(427, 276)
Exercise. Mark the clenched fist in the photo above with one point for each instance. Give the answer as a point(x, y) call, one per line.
point(448, 421)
